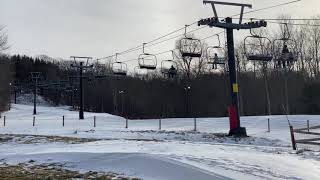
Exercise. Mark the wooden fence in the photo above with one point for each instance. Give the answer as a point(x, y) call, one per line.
point(312, 138)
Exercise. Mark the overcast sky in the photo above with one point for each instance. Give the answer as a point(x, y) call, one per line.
point(98, 28)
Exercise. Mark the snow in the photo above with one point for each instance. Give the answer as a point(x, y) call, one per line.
point(175, 152)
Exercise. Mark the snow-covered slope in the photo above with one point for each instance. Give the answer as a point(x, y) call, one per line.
point(175, 152)
point(49, 122)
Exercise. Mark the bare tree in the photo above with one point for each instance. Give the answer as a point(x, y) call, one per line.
point(314, 40)
point(300, 37)
point(3, 40)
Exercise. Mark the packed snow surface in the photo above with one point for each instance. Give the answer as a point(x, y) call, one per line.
point(174, 152)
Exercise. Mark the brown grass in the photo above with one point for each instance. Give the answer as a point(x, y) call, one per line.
point(51, 172)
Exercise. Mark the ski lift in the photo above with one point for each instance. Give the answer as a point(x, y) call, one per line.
point(82, 61)
point(215, 55)
point(257, 48)
point(284, 48)
point(146, 60)
point(169, 67)
point(119, 68)
point(190, 47)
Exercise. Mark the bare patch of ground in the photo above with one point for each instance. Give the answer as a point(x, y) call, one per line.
point(52, 172)
point(34, 139)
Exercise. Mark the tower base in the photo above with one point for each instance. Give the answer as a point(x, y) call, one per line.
point(238, 132)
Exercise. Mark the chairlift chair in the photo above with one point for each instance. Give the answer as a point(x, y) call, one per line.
point(119, 68)
point(257, 48)
point(146, 60)
point(284, 48)
point(190, 47)
point(214, 55)
point(169, 67)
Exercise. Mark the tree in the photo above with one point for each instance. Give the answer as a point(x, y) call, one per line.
point(3, 40)
point(5, 72)
point(314, 40)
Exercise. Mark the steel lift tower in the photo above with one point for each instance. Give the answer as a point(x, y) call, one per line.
point(35, 76)
point(229, 26)
point(83, 65)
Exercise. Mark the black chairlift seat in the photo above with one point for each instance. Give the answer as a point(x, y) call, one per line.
point(145, 66)
point(120, 73)
point(193, 55)
point(259, 57)
point(219, 62)
point(169, 71)
point(288, 57)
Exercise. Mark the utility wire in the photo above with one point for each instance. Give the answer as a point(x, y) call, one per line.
point(269, 7)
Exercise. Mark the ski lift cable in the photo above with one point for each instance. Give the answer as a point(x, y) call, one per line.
point(177, 30)
point(165, 40)
point(295, 24)
point(154, 40)
point(212, 35)
point(137, 48)
point(261, 9)
point(269, 7)
point(176, 49)
point(278, 19)
point(283, 19)
point(161, 37)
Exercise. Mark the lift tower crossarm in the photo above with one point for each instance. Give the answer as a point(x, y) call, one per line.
point(213, 22)
point(227, 4)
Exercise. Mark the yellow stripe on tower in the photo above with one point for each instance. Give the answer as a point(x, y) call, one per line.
point(235, 88)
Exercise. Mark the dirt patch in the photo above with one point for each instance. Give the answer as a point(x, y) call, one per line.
point(52, 172)
point(41, 139)
point(34, 139)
